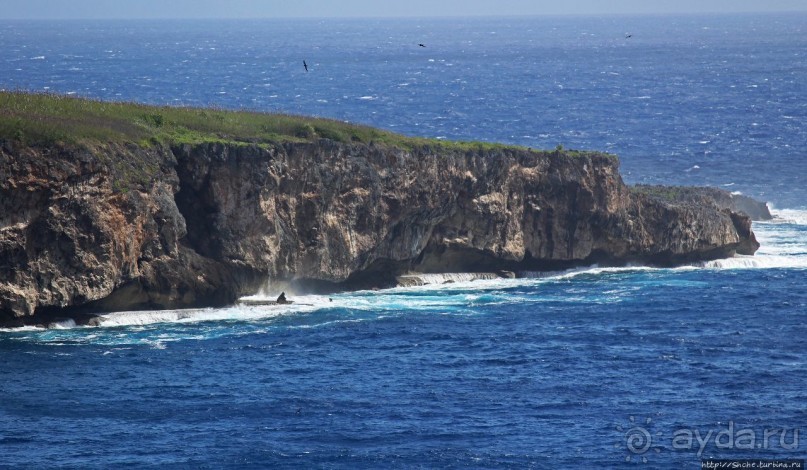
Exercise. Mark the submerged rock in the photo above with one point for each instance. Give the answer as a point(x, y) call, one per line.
point(119, 227)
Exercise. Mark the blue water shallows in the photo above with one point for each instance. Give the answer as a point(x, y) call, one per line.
point(590, 368)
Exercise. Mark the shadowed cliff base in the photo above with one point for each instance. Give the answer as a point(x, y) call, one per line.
point(110, 223)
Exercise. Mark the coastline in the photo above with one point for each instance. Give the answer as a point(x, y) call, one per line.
point(109, 224)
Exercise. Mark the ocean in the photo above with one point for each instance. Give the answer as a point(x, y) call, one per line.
point(588, 368)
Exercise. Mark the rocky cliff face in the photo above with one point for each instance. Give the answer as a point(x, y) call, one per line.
point(697, 195)
point(122, 227)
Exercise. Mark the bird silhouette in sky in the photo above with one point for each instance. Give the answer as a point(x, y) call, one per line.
point(422, 45)
point(628, 35)
point(306, 66)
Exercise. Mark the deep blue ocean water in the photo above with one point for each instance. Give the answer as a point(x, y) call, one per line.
point(593, 368)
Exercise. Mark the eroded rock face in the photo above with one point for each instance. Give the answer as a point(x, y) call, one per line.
point(117, 227)
point(734, 202)
point(69, 236)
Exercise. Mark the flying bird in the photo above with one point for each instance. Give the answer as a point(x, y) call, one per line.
point(422, 45)
point(628, 35)
point(306, 66)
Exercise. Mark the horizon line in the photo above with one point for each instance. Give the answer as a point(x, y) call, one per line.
point(410, 17)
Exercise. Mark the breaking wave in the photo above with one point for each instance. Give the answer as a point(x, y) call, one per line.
point(783, 244)
point(412, 280)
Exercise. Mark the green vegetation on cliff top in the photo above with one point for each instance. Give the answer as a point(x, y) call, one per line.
point(41, 119)
point(44, 119)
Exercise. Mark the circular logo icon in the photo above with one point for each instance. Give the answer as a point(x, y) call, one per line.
point(638, 439)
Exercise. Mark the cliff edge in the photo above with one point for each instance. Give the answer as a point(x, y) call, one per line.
point(126, 226)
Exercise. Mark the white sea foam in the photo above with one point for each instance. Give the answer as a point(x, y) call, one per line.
point(147, 317)
point(443, 278)
point(22, 329)
point(788, 216)
point(62, 324)
point(757, 262)
point(234, 313)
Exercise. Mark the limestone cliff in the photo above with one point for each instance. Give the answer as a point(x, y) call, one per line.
point(698, 195)
point(114, 227)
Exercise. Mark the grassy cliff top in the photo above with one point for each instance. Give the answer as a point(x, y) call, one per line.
point(40, 119)
point(36, 118)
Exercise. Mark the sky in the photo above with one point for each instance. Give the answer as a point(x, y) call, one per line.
point(135, 9)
